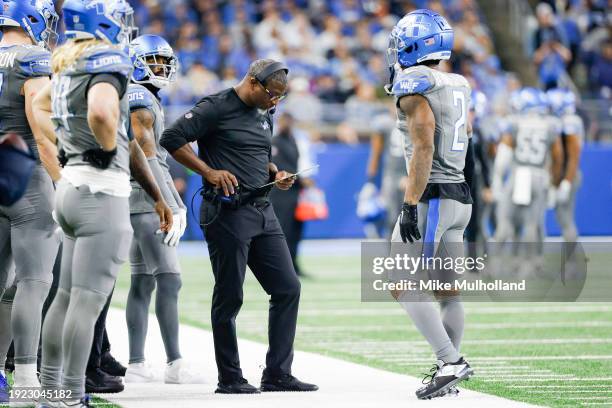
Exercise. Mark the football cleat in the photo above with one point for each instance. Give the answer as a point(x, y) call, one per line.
point(443, 377)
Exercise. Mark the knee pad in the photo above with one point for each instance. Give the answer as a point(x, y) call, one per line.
point(168, 284)
point(142, 285)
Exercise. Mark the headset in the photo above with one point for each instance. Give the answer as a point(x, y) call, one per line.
point(267, 72)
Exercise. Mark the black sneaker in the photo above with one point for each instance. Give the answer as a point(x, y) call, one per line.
point(444, 377)
point(99, 382)
point(109, 365)
point(285, 382)
point(240, 386)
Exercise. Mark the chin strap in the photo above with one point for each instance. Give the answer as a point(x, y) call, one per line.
point(388, 87)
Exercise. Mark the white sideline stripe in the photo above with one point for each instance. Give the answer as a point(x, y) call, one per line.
point(314, 330)
point(343, 384)
point(415, 343)
point(519, 375)
point(482, 309)
point(562, 386)
point(575, 392)
point(554, 379)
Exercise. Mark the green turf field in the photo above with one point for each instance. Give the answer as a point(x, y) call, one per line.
point(551, 354)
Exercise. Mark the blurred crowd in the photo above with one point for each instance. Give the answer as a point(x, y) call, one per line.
point(573, 39)
point(335, 49)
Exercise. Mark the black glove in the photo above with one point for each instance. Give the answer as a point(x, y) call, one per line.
point(99, 158)
point(409, 223)
point(61, 156)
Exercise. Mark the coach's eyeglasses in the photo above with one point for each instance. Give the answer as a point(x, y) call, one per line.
point(273, 98)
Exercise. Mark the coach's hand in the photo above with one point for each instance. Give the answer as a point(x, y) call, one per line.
point(222, 179)
point(284, 184)
point(409, 223)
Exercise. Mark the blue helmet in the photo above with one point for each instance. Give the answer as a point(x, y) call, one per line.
point(532, 100)
point(37, 17)
point(478, 103)
point(421, 35)
point(109, 20)
point(150, 52)
point(562, 101)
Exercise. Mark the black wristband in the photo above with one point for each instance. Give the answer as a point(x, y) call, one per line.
point(99, 158)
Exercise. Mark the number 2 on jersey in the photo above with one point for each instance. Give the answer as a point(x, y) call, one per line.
point(459, 100)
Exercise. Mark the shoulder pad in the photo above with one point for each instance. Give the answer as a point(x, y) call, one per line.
point(34, 62)
point(105, 60)
point(140, 97)
point(413, 81)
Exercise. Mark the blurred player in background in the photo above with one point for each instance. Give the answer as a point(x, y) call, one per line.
point(153, 257)
point(432, 109)
point(386, 145)
point(524, 151)
point(563, 106)
point(26, 227)
point(476, 233)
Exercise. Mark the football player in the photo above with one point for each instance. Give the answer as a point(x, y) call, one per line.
point(26, 227)
point(90, 115)
point(153, 257)
point(532, 138)
point(563, 105)
point(432, 109)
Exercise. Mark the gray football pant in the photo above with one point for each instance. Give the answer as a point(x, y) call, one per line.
point(565, 213)
point(512, 218)
point(442, 223)
point(152, 262)
point(97, 236)
point(27, 238)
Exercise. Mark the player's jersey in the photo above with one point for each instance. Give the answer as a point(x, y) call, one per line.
point(532, 136)
point(449, 98)
point(69, 105)
point(18, 64)
point(140, 97)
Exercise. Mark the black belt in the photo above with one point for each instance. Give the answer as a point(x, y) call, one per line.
point(258, 197)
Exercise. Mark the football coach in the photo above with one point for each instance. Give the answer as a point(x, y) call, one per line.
point(233, 130)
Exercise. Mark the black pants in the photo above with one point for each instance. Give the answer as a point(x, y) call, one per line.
point(285, 203)
point(251, 235)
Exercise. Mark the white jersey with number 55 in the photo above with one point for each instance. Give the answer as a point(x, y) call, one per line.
point(449, 98)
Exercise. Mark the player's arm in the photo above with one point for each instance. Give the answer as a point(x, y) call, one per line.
point(37, 92)
point(421, 125)
point(503, 159)
point(103, 114)
point(141, 172)
point(377, 145)
point(142, 122)
point(573, 148)
point(556, 151)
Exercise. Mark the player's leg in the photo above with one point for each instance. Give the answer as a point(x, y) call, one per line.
point(34, 246)
point(457, 216)
point(103, 236)
point(52, 352)
point(565, 214)
point(137, 309)
point(421, 306)
point(6, 307)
